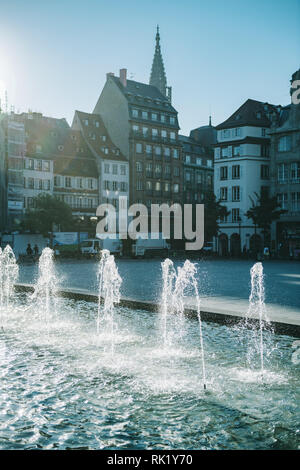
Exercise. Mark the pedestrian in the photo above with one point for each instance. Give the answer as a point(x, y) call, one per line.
point(29, 251)
point(36, 250)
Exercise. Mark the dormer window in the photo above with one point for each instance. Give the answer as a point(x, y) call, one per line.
point(258, 115)
point(104, 138)
point(86, 122)
point(97, 124)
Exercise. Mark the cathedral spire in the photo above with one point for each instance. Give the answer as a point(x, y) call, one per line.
point(158, 76)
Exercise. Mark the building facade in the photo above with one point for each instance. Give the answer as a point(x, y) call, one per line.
point(113, 167)
point(242, 171)
point(285, 177)
point(3, 181)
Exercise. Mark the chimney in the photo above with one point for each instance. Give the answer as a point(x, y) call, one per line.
point(109, 74)
point(123, 77)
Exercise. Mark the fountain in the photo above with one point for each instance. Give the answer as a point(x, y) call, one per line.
point(9, 272)
point(109, 283)
point(175, 285)
point(257, 308)
point(65, 392)
point(47, 285)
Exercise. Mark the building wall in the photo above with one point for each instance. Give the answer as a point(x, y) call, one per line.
point(38, 178)
point(250, 182)
point(113, 108)
point(114, 183)
point(3, 182)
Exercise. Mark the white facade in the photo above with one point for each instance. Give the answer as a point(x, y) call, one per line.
point(38, 178)
point(240, 173)
point(80, 193)
point(114, 181)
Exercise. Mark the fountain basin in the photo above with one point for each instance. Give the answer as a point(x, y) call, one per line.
point(62, 388)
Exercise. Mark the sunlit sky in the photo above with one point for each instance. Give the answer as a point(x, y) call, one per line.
point(54, 54)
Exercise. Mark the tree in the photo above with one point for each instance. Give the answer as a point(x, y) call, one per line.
point(213, 212)
point(48, 210)
point(266, 211)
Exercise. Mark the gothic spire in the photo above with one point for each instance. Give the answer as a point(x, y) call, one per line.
point(158, 77)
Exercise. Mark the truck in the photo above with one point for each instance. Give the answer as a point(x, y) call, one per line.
point(146, 247)
point(93, 246)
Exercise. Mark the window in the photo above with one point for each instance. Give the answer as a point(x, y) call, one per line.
point(115, 186)
point(56, 181)
point(148, 149)
point(264, 172)
point(167, 187)
point(46, 166)
point(164, 133)
point(115, 169)
point(149, 167)
point(235, 193)
point(224, 152)
point(138, 148)
point(145, 115)
point(225, 133)
point(167, 151)
point(154, 117)
point(223, 194)
point(187, 159)
point(282, 172)
point(157, 169)
point(172, 120)
point(237, 132)
point(223, 173)
point(163, 118)
point(40, 184)
point(176, 188)
point(123, 186)
point(284, 143)
point(145, 131)
point(265, 150)
point(139, 185)
point(97, 123)
point(90, 183)
point(295, 202)
point(235, 214)
point(295, 171)
point(139, 167)
point(175, 153)
point(176, 171)
point(135, 113)
point(209, 163)
point(237, 151)
point(154, 132)
point(38, 148)
point(39, 165)
point(282, 200)
point(106, 185)
point(209, 180)
point(188, 176)
point(31, 164)
point(103, 137)
point(79, 183)
point(86, 122)
point(236, 172)
point(135, 128)
point(199, 161)
point(106, 168)
point(149, 185)
point(157, 150)
point(263, 132)
point(199, 178)
point(123, 169)
point(47, 185)
point(157, 186)
point(167, 169)
point(172, 136)
point(68, 182)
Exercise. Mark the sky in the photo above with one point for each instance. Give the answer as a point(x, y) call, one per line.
point(54, 54)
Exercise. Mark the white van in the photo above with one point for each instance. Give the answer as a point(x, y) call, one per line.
point(146, 247)
point(93, 246)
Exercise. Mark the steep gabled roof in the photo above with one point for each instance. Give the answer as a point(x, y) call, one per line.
point(93, 135)
point(138, 92)
point(251, 113)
